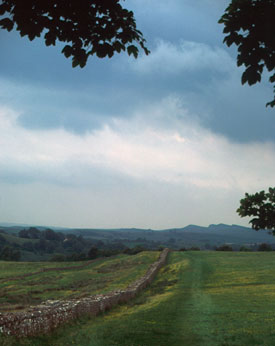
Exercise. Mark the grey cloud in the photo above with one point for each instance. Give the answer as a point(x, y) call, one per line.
point(50, 94)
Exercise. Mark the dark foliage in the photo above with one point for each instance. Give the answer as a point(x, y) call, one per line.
point(245, 249)
point(66, 247)
point(264, 247)
point(87, 27)
point(134, 250)
point(224, 247)
point(250, 25)
point(9, 254)
point(194, 248)
point(92, 253)
point(28, 246)
point(76, 257)
point(261, 205)
point(2, 239)
point(49, 234)
point(31, 233)
point(58, 258)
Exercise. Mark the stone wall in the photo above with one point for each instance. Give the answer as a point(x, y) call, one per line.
point(44, 318)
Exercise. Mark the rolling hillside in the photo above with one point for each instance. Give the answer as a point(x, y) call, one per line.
point(25, 283)
point(198, 298)
point(189, 235)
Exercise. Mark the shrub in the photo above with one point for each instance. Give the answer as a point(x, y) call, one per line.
point(92, 253)
point(58, 258)
point(264, 247)
point(10, 254)
point(244, 248)
point(135, 250)
point(194, 248)
point(224, 247)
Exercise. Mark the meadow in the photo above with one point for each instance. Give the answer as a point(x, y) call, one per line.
point(100, 276)
point(198, 298)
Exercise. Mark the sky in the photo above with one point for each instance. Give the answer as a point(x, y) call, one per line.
point(161, 141)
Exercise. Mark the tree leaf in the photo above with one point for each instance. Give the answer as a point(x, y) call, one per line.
point(7, 24)
point(132, 50)
point(67, 51)
point(97, 27)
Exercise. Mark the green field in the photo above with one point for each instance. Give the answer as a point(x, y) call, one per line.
point(199, 298)
point(101, 276)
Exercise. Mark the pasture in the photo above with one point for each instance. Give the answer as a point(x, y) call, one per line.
point(198, 298)
point(100, 276)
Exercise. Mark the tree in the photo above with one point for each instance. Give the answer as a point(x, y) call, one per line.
point(250, 25)
point(262, 206)
point(2, 239)
point(224, 247)
point(28, 246)
point(9, 254)
point(264, 247)
point(92, 253)
point(88, 27)
point(23, 233)
point(58, 258)
point(245, 249)
point(49, 234)
point(34, 233)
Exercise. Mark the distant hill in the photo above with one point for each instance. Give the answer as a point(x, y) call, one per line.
point(214, 234)
point(221, 233)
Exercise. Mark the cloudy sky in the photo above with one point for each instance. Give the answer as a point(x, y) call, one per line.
point(163, 141)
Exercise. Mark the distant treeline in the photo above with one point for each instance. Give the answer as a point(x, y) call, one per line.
point(34, 244)
point(58, 246)
point(227, 247)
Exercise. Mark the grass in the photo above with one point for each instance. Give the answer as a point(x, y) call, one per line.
point(199, 298)
point(101, 276)
point(10, 269)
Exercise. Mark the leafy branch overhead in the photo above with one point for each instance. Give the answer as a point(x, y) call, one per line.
point(250, 25)
point(87, 27)
point(261, 205)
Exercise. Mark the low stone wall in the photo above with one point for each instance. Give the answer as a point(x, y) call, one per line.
point(44, 318)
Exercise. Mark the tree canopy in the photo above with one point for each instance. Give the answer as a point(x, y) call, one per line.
point(262, 206)
point(87, 27)
point(250, 25)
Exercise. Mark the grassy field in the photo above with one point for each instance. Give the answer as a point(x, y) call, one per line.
point(199, 298)
point(11, 269)
point(101, 276)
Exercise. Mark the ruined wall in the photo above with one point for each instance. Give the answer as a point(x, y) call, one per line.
point(44, 318)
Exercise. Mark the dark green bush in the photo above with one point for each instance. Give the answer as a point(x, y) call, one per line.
point(224, 247)
point(264, 247)
point(244, 248)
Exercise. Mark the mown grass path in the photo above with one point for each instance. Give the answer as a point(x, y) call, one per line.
point(199, 298)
